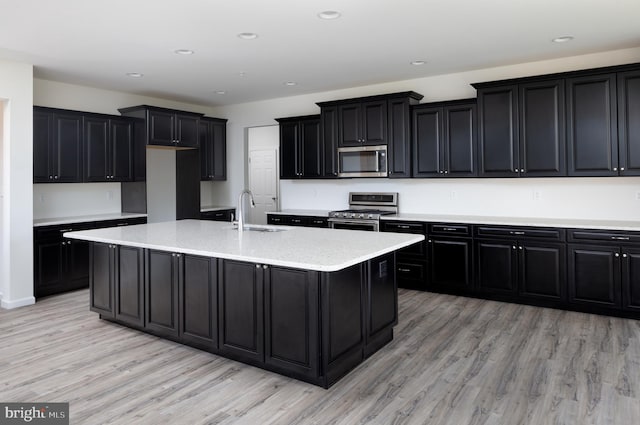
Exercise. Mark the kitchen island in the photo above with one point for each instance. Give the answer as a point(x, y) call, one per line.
point(307, 303)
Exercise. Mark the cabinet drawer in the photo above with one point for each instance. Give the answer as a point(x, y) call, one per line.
point(402, 227)
point(298, 221)
point(55, 232)
point(278, 219)
point(521, 232)
point(318, 222)
point(224, 215)
point(579, 235)
point(120, 222)
point(411, 271)
point(450, 229)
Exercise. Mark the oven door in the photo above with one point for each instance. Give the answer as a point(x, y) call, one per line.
point(368, 225)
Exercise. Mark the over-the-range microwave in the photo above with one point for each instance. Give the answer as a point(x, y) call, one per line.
point(362, 161)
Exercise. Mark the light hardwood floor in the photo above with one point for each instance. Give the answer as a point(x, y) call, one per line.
point(454, 360)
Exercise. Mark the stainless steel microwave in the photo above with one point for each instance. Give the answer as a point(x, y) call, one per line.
point(362, 161)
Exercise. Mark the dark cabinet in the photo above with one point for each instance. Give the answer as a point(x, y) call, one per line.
point(592, 135)
point(162, 273)
point(198, 299)
point(411, 262)
point(450, 258)
point(221, 215)
point(128, 275)
point(213, 148)
point(167, 127)
point(297, 220)
point(101, 279)
point(291, 320)
point(594, 275)
point(399, 140)
point(444, 139)
point(57, 146)
point(301, 148)
point(240, 310)
point(521, 129)
point(329, 137)
point(526, 263)
point(109, 144)
point(628, 123)
point(631, 279)
point(362, 122)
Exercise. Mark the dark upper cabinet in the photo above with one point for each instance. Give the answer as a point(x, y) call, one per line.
point(399, 140)
point(628, 123)
point(541, 126)
point(167, 127)
point(329, 137)
point(57, 146)
point(362, 122)
point(521, 129)
point(444, 139)
point(592, 136)
point(109, 143)
point(301, 147)
point(213, 148)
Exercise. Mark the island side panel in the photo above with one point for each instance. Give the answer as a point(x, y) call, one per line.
point(381, 303)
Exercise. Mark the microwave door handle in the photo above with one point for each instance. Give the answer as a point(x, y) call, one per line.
point(377, 161)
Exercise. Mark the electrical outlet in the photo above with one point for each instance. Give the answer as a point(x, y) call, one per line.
point(454, 195)
point(41, 198)
point(536, 195)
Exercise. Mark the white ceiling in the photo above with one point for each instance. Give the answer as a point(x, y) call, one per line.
point(96, 42)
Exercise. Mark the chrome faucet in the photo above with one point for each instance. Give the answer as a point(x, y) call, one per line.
point(241, 213)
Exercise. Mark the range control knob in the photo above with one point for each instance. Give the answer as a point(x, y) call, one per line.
point(370, 216)
point(361, 216)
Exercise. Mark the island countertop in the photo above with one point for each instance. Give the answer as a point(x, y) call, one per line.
point(325, 250)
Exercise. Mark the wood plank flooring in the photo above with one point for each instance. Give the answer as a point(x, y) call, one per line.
point(454, 360)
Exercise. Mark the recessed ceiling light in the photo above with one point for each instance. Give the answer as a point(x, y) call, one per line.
point(290, 83)
point(134, 74)
point(248, 35)
point(418, 63)
point(184, 52)
point(220, 92)
point(562, 39)
point(329, 14)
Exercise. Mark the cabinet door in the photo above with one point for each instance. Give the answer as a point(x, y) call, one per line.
point(206, 151)
point(129, 285)
point(289, 150)
point(451, 264)
point(97, 149)
point(101, 270)
point(542, 270)
point(161, 290)
point(592, 139)
point(498, 131)
point(594, 275)
point(427, 141)
point(219, 150)
point(76, 261)
point(542, 132)
point(628, 122)
point(198, 302)
point(329, 126)
point(381, 303)
point(459, 142)
point(399, 140)
point(497, 267)
point(187, 130)
point(311, 148)
point(631, 279)
point(161, 128)
point(291, 320)
point(67, 152)
point(49, 270)
point(121, 163)
point(42, 146)
point(374, 122)
point(240, 310)
point(349, 122)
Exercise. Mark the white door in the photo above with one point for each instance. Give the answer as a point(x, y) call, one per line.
point(263, 179)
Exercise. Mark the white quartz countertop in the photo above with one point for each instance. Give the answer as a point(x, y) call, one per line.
point(306, 248)
point(215, 208)
point(310, 213)
point(521, 221)
point(84, 218)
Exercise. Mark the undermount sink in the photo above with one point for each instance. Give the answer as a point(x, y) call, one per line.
point(262, 228)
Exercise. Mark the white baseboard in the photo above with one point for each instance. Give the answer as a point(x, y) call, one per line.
point(9, 304)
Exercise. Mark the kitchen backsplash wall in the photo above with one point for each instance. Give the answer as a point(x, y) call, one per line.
point(72, 199)
point(616, 198)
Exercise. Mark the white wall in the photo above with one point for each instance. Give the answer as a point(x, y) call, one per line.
point(16, 86)
point(161, 189)
point(72, 199)
point(559, 196)
point(2, 238)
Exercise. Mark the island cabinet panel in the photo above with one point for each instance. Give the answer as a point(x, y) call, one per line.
point(291, 320)
point(129, 285)
point(380, 303)
point(101, 294)
point(161, 289)
point(199, 302)
point(240, 310)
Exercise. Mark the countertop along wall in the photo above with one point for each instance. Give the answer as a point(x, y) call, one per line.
point(614, 198)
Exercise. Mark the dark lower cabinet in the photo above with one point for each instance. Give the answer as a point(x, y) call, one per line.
point(199, 301)
point(411, 262)
point(101, 279)
point(594, 275)
point(497, 266)
point(221, 215)
point(542, 270)
point(450, 262)
point(240, 309)
point(129, 285)
point(291, 320)
point(162, 273)
point(631, 279)
point(381, 303)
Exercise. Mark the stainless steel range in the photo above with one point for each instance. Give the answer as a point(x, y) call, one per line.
point(365, 210)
